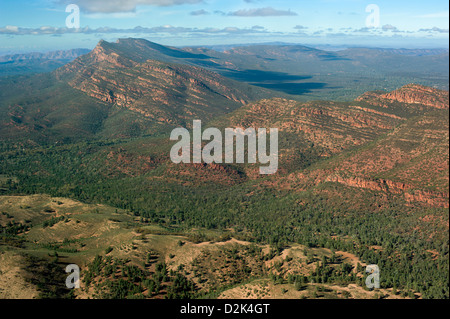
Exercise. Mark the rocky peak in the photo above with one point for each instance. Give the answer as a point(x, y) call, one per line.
point(419, 94)
point(409, 94)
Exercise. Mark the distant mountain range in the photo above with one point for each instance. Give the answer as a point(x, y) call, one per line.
point(36, 62)
point(53, 55)
point(332, 48)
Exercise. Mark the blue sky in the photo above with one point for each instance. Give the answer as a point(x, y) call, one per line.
point(40, 25)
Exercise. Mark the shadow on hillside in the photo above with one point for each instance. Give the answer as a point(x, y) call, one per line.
point(293, 88)
point(257, 76)
point(278, 81)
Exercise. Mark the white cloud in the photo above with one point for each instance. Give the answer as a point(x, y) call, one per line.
point(390, 27)
point(434, 29)
point(199, 12)
point(166, 29)
point(262, 12)
point(116, 6)
point(12, 28)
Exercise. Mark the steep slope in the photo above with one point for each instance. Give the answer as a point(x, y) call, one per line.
point(394, 142)
point(40, 109)
point(115, 91)
point(417, 95)
point(161, 92)
point(411, 161)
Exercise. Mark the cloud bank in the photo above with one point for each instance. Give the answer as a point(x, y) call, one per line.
point(262, 12)
point(117, 6)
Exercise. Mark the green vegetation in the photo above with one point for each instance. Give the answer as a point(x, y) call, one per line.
point(267, 216)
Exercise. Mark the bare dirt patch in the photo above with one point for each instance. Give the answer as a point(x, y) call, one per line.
point(12, 282)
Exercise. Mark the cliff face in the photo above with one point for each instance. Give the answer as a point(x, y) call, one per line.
point(412, 161)
point(419, 94)
point(408, 192)
point(332, 127)
point(416, 96)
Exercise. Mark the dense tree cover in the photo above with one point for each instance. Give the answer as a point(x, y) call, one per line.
point(409, 259)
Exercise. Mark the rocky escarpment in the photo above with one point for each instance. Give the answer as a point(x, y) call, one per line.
point(419, 94)
point(332, 126)
point(412, 94)
point(409, 192)
point(409, 160)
